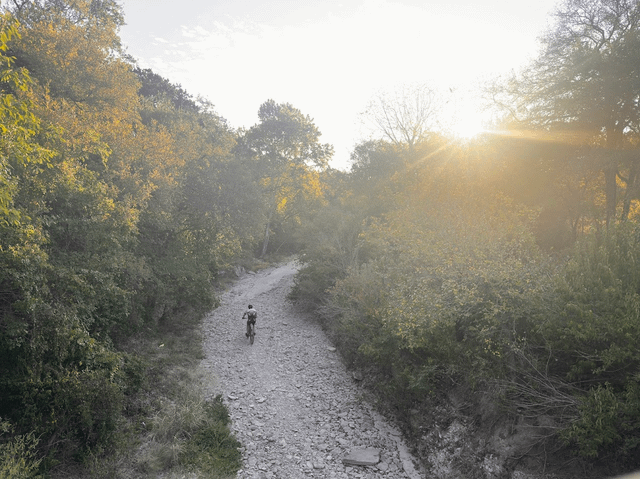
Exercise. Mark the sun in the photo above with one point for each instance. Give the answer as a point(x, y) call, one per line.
point(462, 116)
point(467, 128)
point(466, 124)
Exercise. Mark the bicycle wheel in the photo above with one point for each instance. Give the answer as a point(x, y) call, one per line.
point(252, 333)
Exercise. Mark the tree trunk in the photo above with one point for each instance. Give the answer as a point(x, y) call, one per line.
point(630, 190)
point(610, 174)
point(265, 242)
point(614, 141)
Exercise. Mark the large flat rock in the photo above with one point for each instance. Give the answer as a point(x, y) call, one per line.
point(362, 457)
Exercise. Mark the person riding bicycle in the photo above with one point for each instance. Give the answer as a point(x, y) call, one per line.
point(251, 315)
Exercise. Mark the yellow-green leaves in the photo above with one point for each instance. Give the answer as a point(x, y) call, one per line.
point(287, 157)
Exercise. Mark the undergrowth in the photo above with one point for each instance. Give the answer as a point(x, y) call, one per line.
point(170, 429)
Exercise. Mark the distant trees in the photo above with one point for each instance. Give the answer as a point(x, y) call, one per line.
point(158, 88)
point(286, 157)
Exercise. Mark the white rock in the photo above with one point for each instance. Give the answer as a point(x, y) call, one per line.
point(362, 457)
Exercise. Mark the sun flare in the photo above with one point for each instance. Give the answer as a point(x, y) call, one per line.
point(462, 116)
point(467, 128)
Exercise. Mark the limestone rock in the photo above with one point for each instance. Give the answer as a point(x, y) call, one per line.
point(362, 457)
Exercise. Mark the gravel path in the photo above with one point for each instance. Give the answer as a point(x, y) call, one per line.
point(296, 410)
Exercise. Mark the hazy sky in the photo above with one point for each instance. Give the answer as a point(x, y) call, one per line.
point(328, 57)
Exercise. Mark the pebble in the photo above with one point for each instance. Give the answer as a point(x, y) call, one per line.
point(294, 407)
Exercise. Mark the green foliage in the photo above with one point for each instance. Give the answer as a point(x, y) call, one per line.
point(156, 87)
point(599, 321)
point(212, 450)
point(18, 454)
point(284, 136)
point(73, 396)
point(70, 47)
point(592, 342)
point(116, 213)
point(608, 425)
point(446, 284)
point(18, 127)
point(286, 156)
point(122, 198)
point(330, 239)
point(465, 291)
point(598, 425)
point(312, 283)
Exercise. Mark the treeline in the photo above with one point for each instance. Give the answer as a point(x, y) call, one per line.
point(122, 200)
point(507, 265)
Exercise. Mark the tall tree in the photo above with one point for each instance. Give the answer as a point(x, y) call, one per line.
point(158, 88)
point(406, 117)
point(288, 155)
point(585, 85)
point(18, 124)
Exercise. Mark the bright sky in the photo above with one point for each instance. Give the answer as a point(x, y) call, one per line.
point(328, 58)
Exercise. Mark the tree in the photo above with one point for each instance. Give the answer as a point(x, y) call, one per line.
point(200, 211)
point(584, 88)
point(60, 269)
point(154, 86)
point(18, 124)
point(73, 49)
point(287, 153)
point(406, 117)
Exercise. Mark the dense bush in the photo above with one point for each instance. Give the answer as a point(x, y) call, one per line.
point(117, 210)
point(593, 343)
point(448, 285)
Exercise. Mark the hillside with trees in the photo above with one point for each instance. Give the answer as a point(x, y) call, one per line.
point(491, 286)
point(492, 283)
point(123, 199)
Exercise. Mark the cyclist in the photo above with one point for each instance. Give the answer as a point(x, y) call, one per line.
point(251, 315)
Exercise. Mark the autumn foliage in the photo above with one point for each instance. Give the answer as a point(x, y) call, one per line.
point(122, 201)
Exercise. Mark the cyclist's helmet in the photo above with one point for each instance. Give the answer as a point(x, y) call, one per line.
point(250, 307)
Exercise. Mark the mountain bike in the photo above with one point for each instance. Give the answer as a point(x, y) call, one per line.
point(251, 331)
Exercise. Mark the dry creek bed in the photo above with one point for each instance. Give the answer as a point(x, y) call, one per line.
point(293, 405)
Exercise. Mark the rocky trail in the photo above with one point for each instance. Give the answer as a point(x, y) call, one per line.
point(294, 407)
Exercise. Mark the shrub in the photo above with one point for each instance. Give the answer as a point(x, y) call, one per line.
point(18, 458)
point(593, 343)
point(212, 449)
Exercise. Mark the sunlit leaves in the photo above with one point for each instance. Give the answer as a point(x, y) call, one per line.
point(583, 90)
point(453, 271)
point(18, 124)
point(286, 156)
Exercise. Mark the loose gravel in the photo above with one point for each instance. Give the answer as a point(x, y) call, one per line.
point(293, 405)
